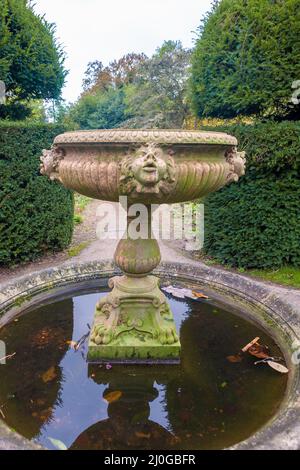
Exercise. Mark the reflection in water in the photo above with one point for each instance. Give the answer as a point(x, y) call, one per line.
point(30, 386)
point(128, 425)
point(50, 392)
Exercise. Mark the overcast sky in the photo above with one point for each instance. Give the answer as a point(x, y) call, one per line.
point(107, 29)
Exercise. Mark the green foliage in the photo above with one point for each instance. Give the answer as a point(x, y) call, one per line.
point(246, 59)
point(102, 105)
point(81, 202)
point(156, 98)
point(36, 214)
point(135, 91)
point(115, 75)
point(271, 148)
point(255, 223)
point(31, 60)
point(78, 219)
point(102, 110)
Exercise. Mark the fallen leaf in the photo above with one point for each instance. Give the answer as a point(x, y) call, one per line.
point(260, 351)
point(72, 344)
point(245, 348)
point(199, 295)
point(49, 375)
point(113, 396)
point(58, 444)
point(235, 358)
point(279, 367)
point(181, 293)
point(223, 385)
point(40, 402)
point(142, 435)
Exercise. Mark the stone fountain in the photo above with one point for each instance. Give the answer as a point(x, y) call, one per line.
point(134, 322)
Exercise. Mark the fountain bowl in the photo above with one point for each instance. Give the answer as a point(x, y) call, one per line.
point(147, 166)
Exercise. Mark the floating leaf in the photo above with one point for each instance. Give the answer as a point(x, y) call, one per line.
point(58, 444)
point(245, 348)
point(235, 358)
point(142, 435)
point(199, 295)
point(260, 351)
point(49, 375)
point(278, 367)
point(113, 396)
point(181, 293)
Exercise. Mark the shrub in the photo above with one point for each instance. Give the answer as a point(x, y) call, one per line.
point(246, 58)
point(36, 214)
point(31, 60)
point(255, 223)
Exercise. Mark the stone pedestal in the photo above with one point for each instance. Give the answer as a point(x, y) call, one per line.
point(134, 321)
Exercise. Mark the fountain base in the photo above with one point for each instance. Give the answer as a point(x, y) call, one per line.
point(134, 323)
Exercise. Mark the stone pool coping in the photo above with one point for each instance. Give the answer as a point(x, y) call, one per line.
point(275, 308)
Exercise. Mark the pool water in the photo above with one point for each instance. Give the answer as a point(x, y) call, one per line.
point(50, 395)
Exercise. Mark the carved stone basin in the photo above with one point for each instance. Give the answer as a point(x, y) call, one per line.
point(134, 322)
point(147, 166)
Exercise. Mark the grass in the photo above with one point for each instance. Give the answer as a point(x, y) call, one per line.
point(78, 219)
point(77, 249)
point(80, 204)
point(287, 275)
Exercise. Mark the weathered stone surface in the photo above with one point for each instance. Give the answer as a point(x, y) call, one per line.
point(134, 322)
point(149, 167)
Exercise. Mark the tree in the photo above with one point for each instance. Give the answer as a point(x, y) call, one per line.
point(101, 104)
point(156, 97)
point(31, 60)
point(101, 110)
point(135, 91)
point(246, 59)
point(117, 74)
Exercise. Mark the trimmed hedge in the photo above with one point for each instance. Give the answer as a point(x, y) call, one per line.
point(36, 215)
point(255, 223)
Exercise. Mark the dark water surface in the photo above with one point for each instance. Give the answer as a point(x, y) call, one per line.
point(48, 393)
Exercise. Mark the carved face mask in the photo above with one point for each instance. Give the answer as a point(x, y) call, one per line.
point(149, 167)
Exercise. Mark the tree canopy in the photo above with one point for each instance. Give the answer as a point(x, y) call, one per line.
point(135, 91)
point(31, 60)
point(246, 59)
point(117, 74)
point(100, 110)
point(157, 95)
